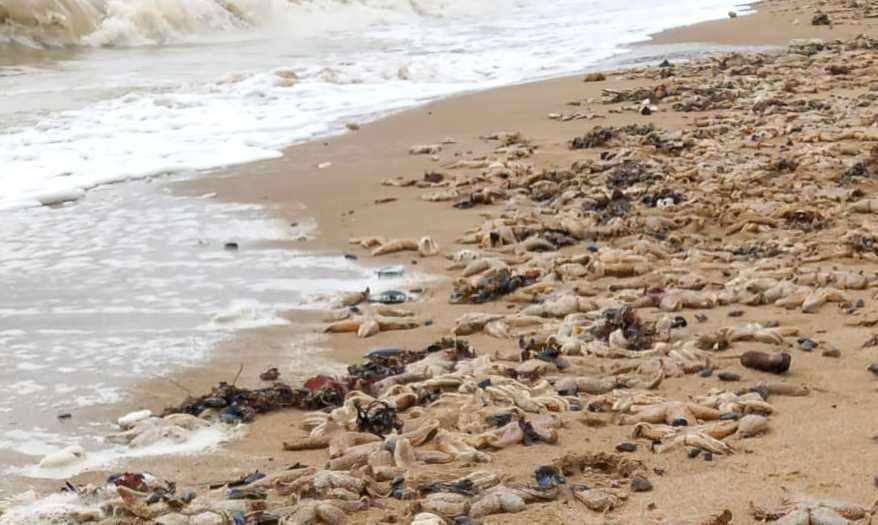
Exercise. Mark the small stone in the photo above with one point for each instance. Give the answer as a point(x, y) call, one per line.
point(65, 415)
point(820, 19)
point(736, 313)
point(708, 456)
point(693, 453)
point(350, 257)
point(593, 421)
point(860, 303)
point(272, 374)
point(762, 390)
point(832, 352)
point(707, 372)
point(641, 485)
point(728, 376)
point(733, 14)
point(626, 447)
point(729, 416)
point(353, 126)
point(701, 318)
point(231, 246)
point(807, 344)
point(595, 77)
point(873, 368)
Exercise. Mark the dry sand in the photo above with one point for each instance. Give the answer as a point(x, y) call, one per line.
point(820, 445)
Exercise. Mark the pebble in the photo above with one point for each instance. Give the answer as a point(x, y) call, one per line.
point(231, 246)
point(693, 453)
point(707, 372)
point(626, 447)
point(762, 390)
point(708, 456)
point(641, 485)
point(873, 368)
point(728, 376)
point(807, 344)
point(832, 352)
point(820, 19)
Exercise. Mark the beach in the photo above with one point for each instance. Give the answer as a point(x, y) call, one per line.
point(110, 285)
point(819, 445)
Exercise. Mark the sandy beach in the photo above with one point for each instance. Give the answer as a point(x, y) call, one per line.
point(760, 184)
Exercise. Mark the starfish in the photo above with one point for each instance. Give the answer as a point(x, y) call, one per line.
point(707, 437)
point(800, 510)
point(674, 413)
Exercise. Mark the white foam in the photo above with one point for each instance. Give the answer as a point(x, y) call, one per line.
point(30, 509)
point(200, 441)
point(244, 314)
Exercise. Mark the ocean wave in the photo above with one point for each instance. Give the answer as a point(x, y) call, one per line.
point(55, 23)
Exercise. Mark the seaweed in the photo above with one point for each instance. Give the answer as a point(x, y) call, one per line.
point(639, 334)
point(595, 138)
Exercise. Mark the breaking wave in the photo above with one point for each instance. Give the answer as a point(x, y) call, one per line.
point(54, 23)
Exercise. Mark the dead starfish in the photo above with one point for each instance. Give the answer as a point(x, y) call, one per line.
point(707, 437)
point(800, 510)
point(674, 413)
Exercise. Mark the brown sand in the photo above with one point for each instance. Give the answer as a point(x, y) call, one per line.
point(819, 445)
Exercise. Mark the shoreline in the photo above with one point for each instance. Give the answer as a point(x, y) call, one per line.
point(224, 361)
point(383, 143)
point(328, 241)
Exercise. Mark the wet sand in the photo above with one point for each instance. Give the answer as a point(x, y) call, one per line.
point(818, 445)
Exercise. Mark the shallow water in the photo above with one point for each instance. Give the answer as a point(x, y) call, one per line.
point(132, 282)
